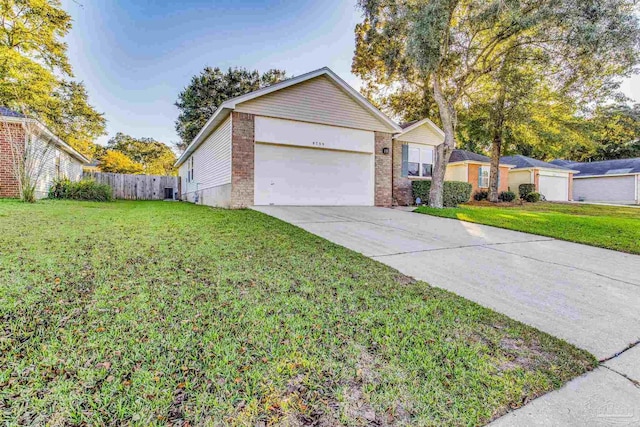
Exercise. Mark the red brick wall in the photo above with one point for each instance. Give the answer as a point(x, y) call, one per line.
point(384, 170)
point(401, 185)
point(8, 183)
point(242, 159)
point(473, 178)
point(504, 179)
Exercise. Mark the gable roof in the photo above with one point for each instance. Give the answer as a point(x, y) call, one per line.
point(408, 127)
point(607, 167)
point(14, 117)
point(561, 162)
point(464, 155)
point(524, 162)
point(223, 111)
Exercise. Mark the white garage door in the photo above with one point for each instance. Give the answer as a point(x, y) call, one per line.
point(287, 175)
point(554, 188)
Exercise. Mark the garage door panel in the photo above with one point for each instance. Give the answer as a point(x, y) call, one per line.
point(605, 189)
point(302, 176)
point(554, 188)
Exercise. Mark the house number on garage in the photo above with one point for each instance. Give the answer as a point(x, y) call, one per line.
point(318, 144)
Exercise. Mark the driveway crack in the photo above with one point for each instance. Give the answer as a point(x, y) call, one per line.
point(629, 347)
point(562, 265)
point(631, 380)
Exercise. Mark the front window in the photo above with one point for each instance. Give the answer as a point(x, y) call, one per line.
point(483, 176)
point(420, 161)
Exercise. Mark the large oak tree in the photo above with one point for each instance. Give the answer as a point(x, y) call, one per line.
point(446, 47)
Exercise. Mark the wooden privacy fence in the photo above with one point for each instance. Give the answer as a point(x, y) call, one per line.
point(138, 187)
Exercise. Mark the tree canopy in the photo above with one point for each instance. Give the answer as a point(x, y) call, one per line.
point(35, 72)
point(117, 162)
point(449, 51)
point(152, 157)
point(207, 90)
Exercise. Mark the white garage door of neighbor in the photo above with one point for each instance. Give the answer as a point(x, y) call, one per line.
point(286, 175)
point(554, 188)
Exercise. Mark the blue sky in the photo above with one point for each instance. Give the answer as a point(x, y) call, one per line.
point(135, 56)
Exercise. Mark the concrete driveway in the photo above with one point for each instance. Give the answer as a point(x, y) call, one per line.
point(587, 296)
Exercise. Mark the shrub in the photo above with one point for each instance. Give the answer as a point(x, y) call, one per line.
point(81, 190)
point(507, 196)
point(533, 197)
point(454, 192)
point(525, 189)
point(480, 195)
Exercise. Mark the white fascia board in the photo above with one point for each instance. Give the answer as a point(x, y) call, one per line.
point(44, 130)
point(476, 162)
point(218, 116)
point(606, 175)
point(532, 168)
point(418, 124)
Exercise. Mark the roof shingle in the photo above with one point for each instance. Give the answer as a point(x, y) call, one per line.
point(607, 167)
point(6, 112)
point(523, 162)
point(464, 155)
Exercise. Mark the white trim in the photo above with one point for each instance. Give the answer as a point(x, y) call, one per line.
point(476, 162)
point(606, 175)
point(417, 125)
point(52, 137)
point(230, 104)
point(532, 168)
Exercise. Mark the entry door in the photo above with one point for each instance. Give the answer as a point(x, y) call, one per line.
point(288, 175)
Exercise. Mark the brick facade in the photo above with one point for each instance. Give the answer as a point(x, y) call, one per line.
point(383, 170)
point(8, 182)
point(401, 185)
point(473, 178)
point(242, 159)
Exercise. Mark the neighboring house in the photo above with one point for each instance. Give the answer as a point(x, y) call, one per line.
point(309, 140)
point(552, 181)
point(58, 158)
point(474, 168)
point(611, 181)
point(93, 166)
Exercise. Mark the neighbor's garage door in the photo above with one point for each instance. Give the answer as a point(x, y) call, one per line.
point(287, 175)
point(554, 188)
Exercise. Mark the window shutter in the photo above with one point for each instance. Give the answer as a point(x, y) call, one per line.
point(405, 160)
point(479, 176)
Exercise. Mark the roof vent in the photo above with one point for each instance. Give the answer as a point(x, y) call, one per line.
point(618, 171)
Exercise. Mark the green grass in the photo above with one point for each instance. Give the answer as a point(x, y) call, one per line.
point(610, 227)
point(154, 312)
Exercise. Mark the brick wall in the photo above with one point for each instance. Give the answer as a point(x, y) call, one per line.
point(504, 179)
point(401, 185)
point(242, 159)
point(383, 170)
point(8, 183)
point(473, 179)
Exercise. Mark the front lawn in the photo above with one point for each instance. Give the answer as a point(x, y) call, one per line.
point(156, 312)
point(610, 227)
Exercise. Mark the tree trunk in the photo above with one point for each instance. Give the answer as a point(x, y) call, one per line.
point(496, 148)
point(496, 145)
point(443, 151)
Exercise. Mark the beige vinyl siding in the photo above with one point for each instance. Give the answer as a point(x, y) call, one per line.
point(456, 172)
point(318, 100)
point(211, 163)
point(517, 177)
point(424, 134)
point(70, 167)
